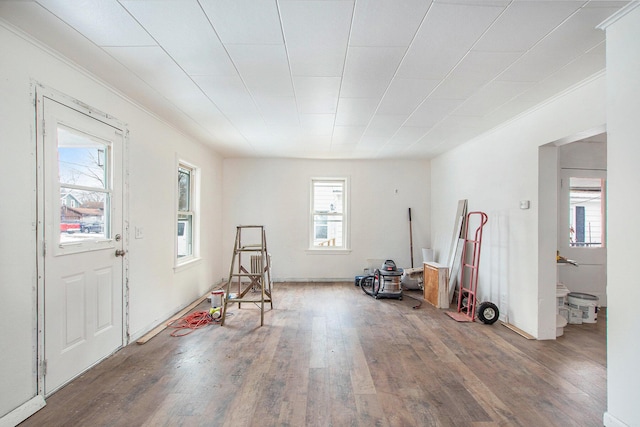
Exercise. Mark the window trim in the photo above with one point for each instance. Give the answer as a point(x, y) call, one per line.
point(194, 190)
point(345, 248)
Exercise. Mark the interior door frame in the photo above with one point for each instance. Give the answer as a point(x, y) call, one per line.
point(39, 93)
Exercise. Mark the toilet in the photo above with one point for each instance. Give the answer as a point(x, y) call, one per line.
point(562, 312)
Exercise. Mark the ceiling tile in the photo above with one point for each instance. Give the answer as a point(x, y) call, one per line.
point(372, 141)
point(280, 111)
point(491, 97)
point(244, 21)
point(228, 93)
point(264, 68)
point(391, 152)
point(200, 109)
point(404, 95)
point(318, 105)
point(316, 34)
point(431, 111)
point(579, 33)
point(317, 95)
point(269, 85)
point(355, 111)
point(317, 124)
point(386, 22)
point(250, 125)
point(104, 22)
point(347, 135)
point(184, 32)
point(154, 66)
point(448, 32)
point(458, 87)
point(384, 125)
point(576, 71)
point(310, 87)
point(500, 3)
point(363, 88)
point(256, 59)
point(407, 135)
point(375, 63)
point(529, 21)
point(484, 66)
point(535, 65)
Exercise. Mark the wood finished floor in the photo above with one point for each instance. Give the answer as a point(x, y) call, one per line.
point(329, 355)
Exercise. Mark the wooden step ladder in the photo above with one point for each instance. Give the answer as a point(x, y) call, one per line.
point(250, 273)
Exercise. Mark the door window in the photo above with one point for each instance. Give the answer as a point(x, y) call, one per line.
point(84, 183)
point(586, 212)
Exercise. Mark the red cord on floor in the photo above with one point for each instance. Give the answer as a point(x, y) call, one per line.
point(192, 321)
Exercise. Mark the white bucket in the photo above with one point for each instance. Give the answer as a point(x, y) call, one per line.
point(216, 298)
point(586, 303)
point(427, 255)
point(561, 295)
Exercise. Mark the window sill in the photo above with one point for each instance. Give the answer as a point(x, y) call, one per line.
point(317, 251)
point(188, 263)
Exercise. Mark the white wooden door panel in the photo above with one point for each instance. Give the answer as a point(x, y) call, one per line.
point(83, 277)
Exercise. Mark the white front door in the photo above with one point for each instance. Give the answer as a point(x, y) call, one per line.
point(81, 170)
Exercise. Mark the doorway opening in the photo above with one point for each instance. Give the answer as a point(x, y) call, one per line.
point(572, 219)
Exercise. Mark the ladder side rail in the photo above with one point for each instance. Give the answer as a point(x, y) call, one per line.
point(229, 279)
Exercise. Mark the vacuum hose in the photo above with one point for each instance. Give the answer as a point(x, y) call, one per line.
point(367, 283)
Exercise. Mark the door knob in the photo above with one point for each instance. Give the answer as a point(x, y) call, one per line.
point(120, 252)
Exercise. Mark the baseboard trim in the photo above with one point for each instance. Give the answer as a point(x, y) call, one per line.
point(307, 280)
point(23, 412)
point(611, 421)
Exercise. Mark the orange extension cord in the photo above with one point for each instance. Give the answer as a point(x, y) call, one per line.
point(192, 321)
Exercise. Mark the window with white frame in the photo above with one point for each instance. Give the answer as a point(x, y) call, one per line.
point(186, 227)
point(328, 213)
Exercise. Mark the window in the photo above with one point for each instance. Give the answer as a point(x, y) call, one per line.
point(186, 229)
point(586, 212)
point(328, 213)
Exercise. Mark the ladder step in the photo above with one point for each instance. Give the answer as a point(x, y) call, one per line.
point(232, 300)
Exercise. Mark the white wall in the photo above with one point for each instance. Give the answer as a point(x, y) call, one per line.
point(495, 172)
point(275, 193)
point(623, 152)
point(156, 291)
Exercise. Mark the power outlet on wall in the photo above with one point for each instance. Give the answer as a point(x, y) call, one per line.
point(139, 232)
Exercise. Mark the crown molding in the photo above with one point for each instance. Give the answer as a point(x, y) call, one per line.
point(619, 14)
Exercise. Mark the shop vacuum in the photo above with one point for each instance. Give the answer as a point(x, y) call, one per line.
point(385, 282)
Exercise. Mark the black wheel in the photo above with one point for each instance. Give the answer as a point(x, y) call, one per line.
point(366, 283)
point(488, 313)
